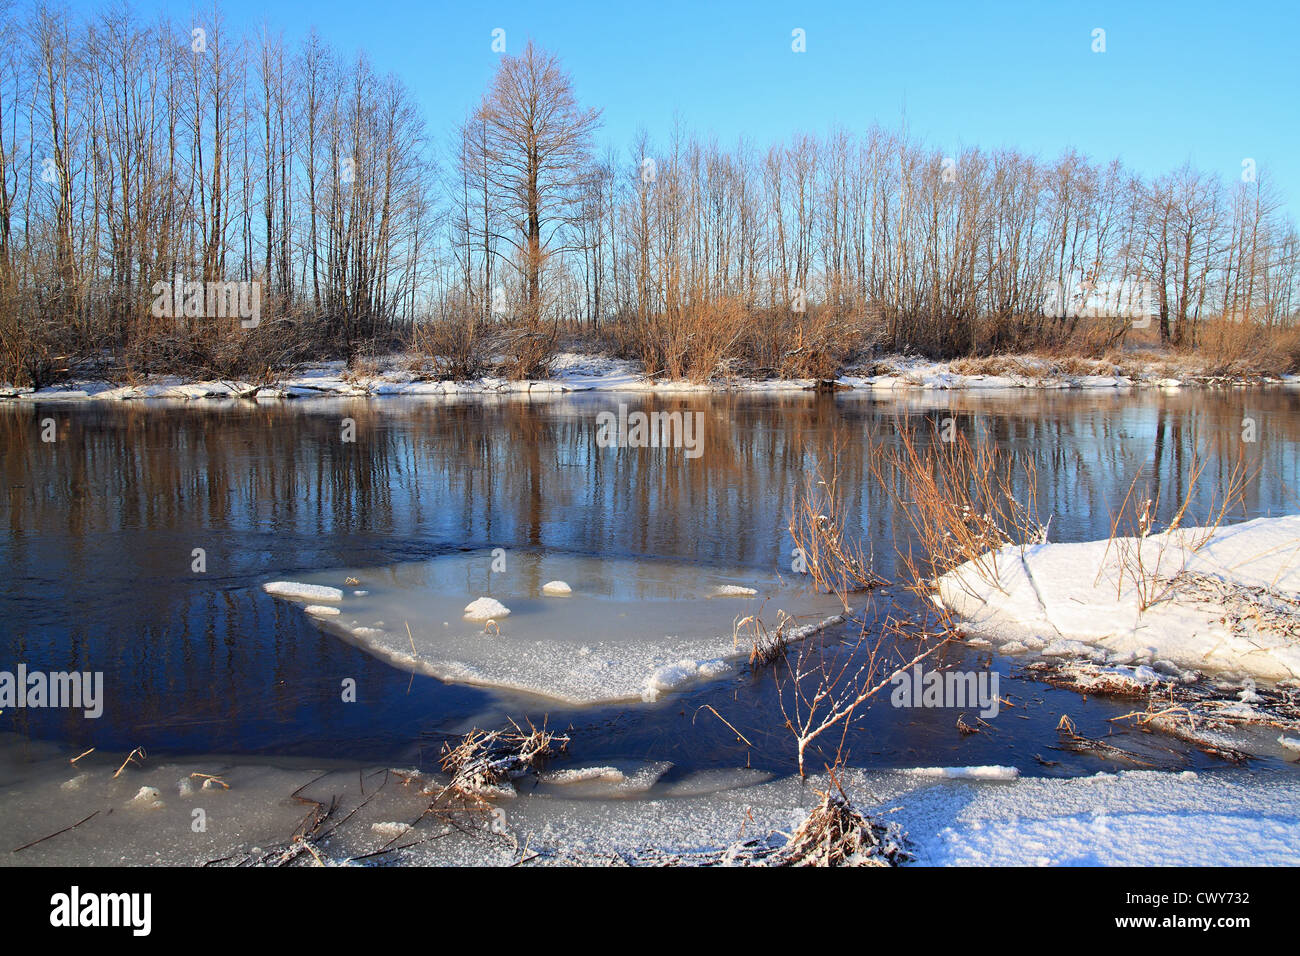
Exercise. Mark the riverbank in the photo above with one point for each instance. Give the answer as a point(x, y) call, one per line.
point(406, 375)
point(194, 812)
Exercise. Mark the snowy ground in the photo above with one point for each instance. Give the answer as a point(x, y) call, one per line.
point(1230, 607)
point(585, 372)
point(151, 814)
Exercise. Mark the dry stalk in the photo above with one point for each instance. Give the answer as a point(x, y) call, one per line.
point(1153, 562)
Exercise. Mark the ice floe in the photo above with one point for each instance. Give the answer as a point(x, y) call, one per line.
point(644, 627)
point(307, 592)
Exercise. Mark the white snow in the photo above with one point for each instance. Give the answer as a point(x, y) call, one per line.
point(574, 372)
point(992, 772)
point(678, 673)
point(321, 610)
point(1053, 594)
point(584, 774)
point(733, 590)
point(309, 592)
point(485, 609)
point(556, 588)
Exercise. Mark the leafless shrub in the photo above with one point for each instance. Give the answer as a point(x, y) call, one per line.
point(827, 683)
point(455, 345)
point(1153, 561)
point(838, 563)
point(961, 501)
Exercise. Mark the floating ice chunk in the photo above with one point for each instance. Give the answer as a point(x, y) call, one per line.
point(1290, 743)
point(485, 609)
point(993, 772)
point(147, 797)
point(321, 610)
point(556, 588)
point(634, 617)
point(294, 589)
point(733, 590)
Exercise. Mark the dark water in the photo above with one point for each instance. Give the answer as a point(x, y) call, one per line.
point(97, 531)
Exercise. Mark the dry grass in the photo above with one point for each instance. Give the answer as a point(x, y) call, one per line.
point(838, 564)
point(960, 500)
point(836, 833)
point(483, 763)
point(1153, 561)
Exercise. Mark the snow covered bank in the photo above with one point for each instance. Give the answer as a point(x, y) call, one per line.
point(570, 371)
point(1232, 607)
point(625, 813)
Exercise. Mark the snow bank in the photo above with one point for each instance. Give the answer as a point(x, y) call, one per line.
point(485, 609)
point(1232, 610)
point(573, 372)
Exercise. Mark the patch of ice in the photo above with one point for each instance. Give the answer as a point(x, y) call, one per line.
point(733, 590)
point(321, 610)
point(556, 588)
point(584, 774)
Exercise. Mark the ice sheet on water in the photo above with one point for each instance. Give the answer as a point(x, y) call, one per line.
point(631, 629)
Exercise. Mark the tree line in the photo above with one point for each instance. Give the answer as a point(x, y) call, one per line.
point(136, 152)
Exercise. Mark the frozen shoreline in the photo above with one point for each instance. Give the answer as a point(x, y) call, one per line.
point(575, 372)
point(950, 819)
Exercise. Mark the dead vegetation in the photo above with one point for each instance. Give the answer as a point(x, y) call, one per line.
point(963, 502)
point(836, 833)
point(1153, 561)
point(838, 563)
point(484, 763)
point(1208, 713)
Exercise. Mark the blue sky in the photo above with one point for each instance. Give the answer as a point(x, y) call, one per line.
point(1212, 83)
